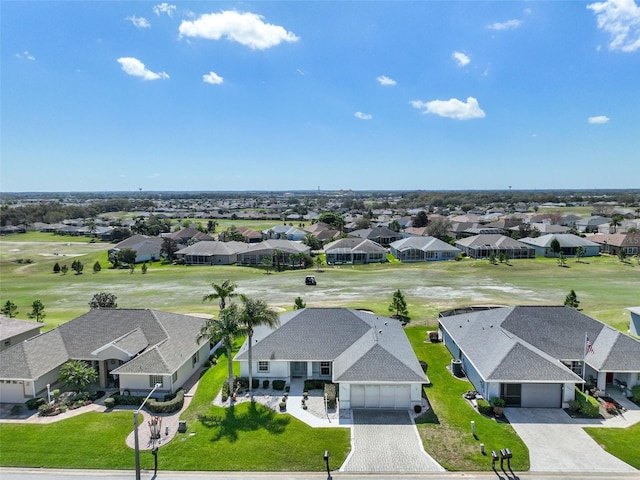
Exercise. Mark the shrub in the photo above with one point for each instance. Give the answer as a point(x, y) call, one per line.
point(45, 409)
point(590, 410)
point(574, 405)
point(255, 383)
point(279, 384)
point(265, 384)
point(484, 407)
point(635, 393)
point(225, 391)
point(330, 394)
point(128, 400)
point(34, 403)
point(109, 402)
point(167, 407)
point(610, 407)
point(283, 406)
point(497, 402)
point(63, 408)
point(314, 384)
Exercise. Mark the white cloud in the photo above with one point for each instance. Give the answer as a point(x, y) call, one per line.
point(139, 22)
point(386, 81)
point(621, 19)
point(26, 55)
point(508, 25)
point(164, 8)
point(213, 78)
point(247, 29)
point(452, 108)
point(133, 66)
point(599, 119)
point(461, 58)
point(363, 116)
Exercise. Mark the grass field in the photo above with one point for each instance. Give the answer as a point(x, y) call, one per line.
point(604, 285)
point(623, 443)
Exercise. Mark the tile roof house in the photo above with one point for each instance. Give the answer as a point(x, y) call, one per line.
point(140, 347)
point(535, 356)
point(211, 253)
point(481, 246)
point(569, 244)
point(423, 249)
point(369, 356)
point(382, 235)
point(354, 251)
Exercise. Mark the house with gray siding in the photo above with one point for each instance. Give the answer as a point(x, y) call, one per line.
point(14, 331)
point(354, 251)
point(369, 357)
point(535, 356)
point(569, 244)
point(423, 249)
point(481, 246)
point(211, 253)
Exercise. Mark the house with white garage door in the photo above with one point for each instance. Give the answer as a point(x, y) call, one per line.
point(535, 356)
point(369, 357)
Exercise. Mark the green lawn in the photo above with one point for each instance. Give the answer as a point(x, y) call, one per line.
point(623, 443)
point(446, 432)
point(246, 437)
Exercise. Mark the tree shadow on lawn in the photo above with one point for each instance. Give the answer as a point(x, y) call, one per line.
point(256, 417)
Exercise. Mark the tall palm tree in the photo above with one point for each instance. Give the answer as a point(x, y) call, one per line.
point(226, 328)
point(255, 313)
point(221, 292)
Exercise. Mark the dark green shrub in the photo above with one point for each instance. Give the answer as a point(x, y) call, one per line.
point(128, 400)
point(279, 384)
point(109, 402)
point(574, 405)
point(590, 410)
point(484, 407)
point(283, 406)
point(330, 394)
point(314, 384)
point(497, 402)
point(45, 409)
point(635, 393)
point(255, 383)
point(34, 403)
point(225, 391)
point(265, 384)
point(167, 407)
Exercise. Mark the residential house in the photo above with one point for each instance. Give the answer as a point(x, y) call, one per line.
point(211, 253)
point(250, 235)
point(369, 357)
point(14, 331)
point(381, 235)
point(612, 243)
point(535, 356)
point(569, 245)
point(481, 246)
point(284, 232)
point(591, 224)
point(634, 321)
point(278, 251)
point(322, 231)
point(423, 249)
point(353, 250)
point(138, 347)
point(147, 248)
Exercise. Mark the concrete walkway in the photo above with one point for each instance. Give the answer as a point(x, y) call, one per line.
point(558, 443)
point(387, 441)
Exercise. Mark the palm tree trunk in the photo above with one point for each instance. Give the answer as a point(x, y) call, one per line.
point(250, 335)
point(231, 389)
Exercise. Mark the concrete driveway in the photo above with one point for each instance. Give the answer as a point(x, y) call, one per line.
point(558, 442)
point(386, 441)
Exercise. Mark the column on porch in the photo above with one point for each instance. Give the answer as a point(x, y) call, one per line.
point(602, 381)
point(309, 369)
point(103, 373)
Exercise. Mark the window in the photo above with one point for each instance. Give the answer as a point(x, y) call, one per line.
point(263, 366)
point(195, 359)
point(325, 368)
point(174, 377)
point(153, 379)
point(7, 343)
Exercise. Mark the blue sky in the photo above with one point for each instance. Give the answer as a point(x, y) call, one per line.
point(296, 95)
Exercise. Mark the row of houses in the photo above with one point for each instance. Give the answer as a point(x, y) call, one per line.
point(530, 356)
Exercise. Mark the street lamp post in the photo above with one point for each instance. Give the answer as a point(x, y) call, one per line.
point(135, 430)
point(326, 459)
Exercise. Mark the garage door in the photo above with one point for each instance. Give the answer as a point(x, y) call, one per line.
point(541, 395)
point(11, 391)
point(380, 396)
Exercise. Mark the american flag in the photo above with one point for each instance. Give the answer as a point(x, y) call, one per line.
point(589, 346)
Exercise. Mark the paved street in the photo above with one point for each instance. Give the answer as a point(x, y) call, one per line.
point(386, 441)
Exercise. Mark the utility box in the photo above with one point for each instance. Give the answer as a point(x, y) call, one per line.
point(182, 426)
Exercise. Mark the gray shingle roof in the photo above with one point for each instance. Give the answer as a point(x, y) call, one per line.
point(172, 335)
point(423, 243)
point(354, 245)
point(363, 346)
point(566, 240)
point(10, 327)
point(213, 248)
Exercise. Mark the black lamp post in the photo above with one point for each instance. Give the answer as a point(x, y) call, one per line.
point(326, 459)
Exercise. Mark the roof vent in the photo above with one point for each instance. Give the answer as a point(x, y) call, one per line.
point(379, 331)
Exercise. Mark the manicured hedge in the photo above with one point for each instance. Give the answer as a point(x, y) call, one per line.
point(278, 384)
point(172, 405)
point(314, 384)
point(484, 407)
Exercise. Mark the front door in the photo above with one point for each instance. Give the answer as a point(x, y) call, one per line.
point(298, 369)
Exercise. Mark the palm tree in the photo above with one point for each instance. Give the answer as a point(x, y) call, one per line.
point(255, 313)
point(226, 328)
point(221, 292)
